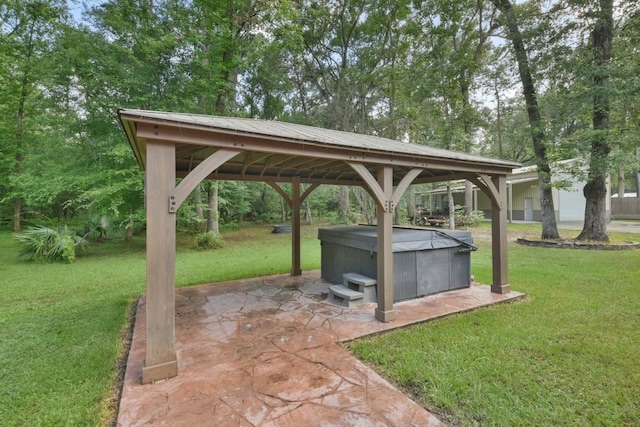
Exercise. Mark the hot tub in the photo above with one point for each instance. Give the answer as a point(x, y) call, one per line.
point(425, 261)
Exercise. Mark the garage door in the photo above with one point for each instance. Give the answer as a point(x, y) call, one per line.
point(572, 203)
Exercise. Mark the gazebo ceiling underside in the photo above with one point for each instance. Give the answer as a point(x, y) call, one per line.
point(279, 152)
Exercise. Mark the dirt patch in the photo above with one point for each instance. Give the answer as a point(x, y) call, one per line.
point(482, 234)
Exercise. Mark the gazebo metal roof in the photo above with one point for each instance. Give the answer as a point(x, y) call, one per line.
point(279, 151)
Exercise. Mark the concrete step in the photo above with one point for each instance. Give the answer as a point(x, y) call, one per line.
point(345, 293)
point(361, 283)
point(357, 279)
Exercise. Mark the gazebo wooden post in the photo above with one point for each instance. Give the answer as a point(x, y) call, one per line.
point(160, 356)
point(385, 311)
point(499, 209)
point(295, 227)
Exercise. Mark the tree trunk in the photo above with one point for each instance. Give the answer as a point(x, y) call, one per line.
point(465, 80)
point(468, 197)
point(197, 200)
point(364, 201)
point(213, 224)
point(225, 97)
point(549, 225)
point(595, 191)
point(344, 206)
point(128, 231)
point(621, 183)
point(307, 213)
point(638, 175)
point(595, 219)
point(16, 214)
point(411, 204)
point(446, 138)
point(19, 157)
point(499, 121)
point(468, 130)
point(128, 234)
point(452, 209)
point(283, 211)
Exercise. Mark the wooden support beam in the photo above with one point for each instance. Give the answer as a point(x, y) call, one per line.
point(384, 287)
point(488, 187)
point(308, 191)
point(294, 202)
point(281, 192)
point(296, 270)
point(376, 189)
point(160, 356)
point(195, 177)
point(403, 185)
point(500, 283)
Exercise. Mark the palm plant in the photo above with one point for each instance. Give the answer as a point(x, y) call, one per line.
point(43, 243)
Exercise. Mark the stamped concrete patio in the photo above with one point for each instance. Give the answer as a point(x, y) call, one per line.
point(264, 352)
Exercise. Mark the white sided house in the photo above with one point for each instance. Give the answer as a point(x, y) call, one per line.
point(523, 195)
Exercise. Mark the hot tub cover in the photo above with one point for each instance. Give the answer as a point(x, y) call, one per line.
point(404, 239)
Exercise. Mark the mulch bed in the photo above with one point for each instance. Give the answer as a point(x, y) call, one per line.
point(576, 244)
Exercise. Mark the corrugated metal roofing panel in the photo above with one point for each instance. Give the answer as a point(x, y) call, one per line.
point(298, 132)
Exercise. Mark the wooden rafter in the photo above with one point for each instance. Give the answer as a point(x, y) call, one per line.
point(253, 159)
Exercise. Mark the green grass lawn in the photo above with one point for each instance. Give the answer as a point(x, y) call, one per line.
point(567, 355)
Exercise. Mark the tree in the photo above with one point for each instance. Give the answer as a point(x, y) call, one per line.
point(595, 190)
point(511, 22)
point(27, 36)
point(220, 34)
point(338, 89)
point(465, 28)
point(122, 60)
point(624, 93)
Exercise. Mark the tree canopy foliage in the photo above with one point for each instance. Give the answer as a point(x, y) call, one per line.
point(447, 74)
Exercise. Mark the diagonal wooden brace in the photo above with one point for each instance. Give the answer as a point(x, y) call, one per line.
point(195, 177)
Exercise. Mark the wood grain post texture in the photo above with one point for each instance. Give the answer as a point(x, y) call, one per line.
point(500, 283)
point(160, 356)
point(385, 311)
point(296, 270)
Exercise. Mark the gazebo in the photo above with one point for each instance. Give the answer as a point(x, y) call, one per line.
point(196, 147)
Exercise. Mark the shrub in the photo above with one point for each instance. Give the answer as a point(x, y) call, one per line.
point(209, 241)
point(472, 220)
point(95, 228)
point(230, 226)
point(351, 218)
point(43, 243)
